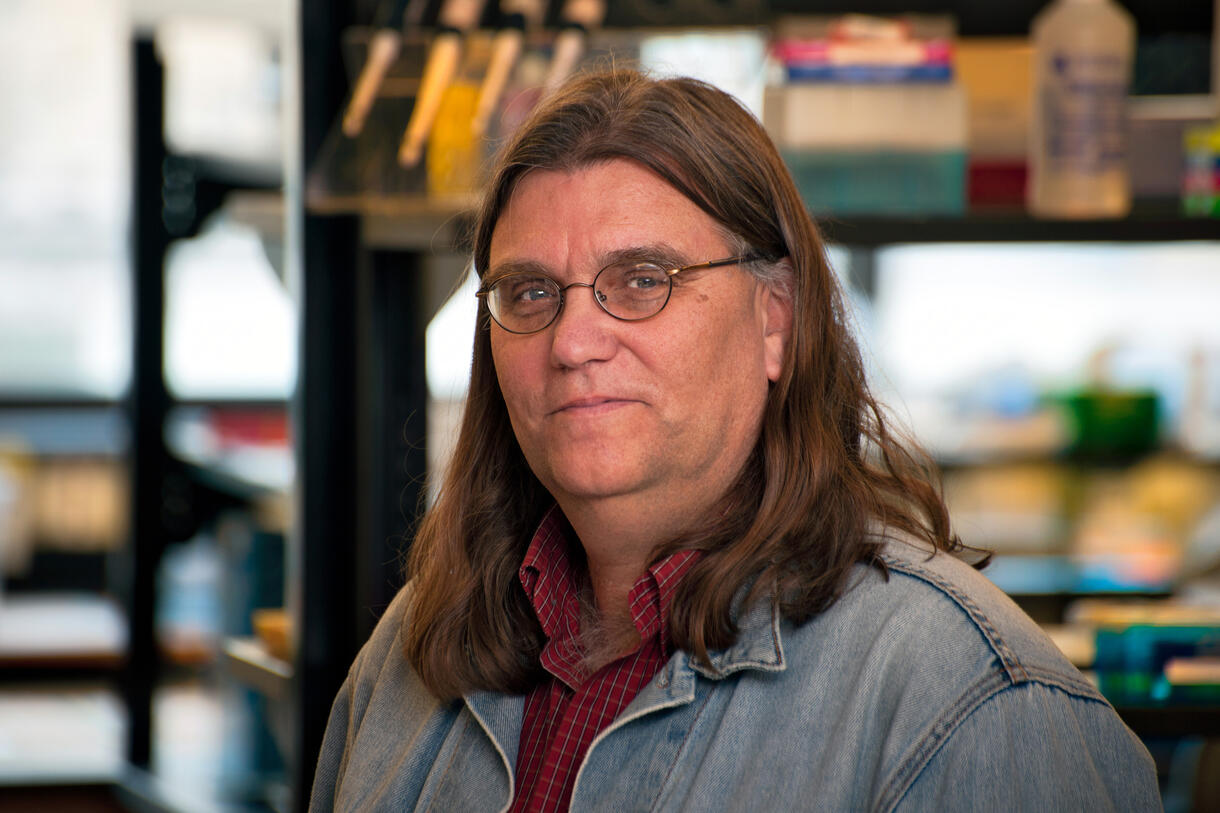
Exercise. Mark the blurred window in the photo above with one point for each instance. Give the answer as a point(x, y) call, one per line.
point(64, 303)
point(953, 321)
point(229, 321)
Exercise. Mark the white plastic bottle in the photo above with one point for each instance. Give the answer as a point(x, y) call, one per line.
point(1083, 51)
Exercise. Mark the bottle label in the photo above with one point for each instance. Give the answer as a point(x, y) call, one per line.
point(1084, 112)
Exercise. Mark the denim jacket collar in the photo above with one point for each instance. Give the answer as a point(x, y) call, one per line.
point(758, 646)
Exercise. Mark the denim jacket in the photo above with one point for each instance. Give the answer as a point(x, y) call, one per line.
point(926, 690)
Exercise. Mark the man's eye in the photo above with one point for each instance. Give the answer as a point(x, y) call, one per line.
point(644, 279)
point(529, 290)
point(527, 297)
point(533, 294)
point(643, 282)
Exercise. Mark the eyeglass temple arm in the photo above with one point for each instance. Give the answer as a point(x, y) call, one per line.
point(748, 258)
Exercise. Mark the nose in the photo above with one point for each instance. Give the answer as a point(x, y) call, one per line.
point(582, 332)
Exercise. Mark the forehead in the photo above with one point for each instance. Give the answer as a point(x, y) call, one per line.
point(563, 218)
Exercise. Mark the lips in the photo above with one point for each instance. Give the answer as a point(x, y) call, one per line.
point(592, 404)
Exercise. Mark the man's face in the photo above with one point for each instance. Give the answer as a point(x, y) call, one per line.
point(662, 412)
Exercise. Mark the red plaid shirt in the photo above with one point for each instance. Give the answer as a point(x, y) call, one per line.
point(565, 712)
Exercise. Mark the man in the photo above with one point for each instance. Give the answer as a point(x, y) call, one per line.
point(679, 560)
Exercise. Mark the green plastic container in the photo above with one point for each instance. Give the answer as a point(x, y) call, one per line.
point(1112, 424)
point(877, 182)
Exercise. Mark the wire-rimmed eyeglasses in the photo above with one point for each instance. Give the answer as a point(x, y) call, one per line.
point(630, 290)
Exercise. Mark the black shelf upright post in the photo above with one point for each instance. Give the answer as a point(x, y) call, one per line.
point(393, 425)
point(359, 411)
point(147, 400)
point(323, 410)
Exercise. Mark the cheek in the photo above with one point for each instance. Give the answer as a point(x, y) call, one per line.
point(516, 375)
point(732, 346)
point(718, 373)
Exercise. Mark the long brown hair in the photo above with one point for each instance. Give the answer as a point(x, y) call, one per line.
point(827, 475)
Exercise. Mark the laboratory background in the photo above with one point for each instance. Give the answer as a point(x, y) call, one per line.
point(236, 313)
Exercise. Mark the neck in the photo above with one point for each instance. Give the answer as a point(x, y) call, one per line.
point(618, 541)
point(604, 638)
point(616, 552)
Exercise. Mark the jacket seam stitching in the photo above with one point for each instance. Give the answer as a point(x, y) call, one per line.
point(1080, 688)
point(1013, 667)
point(661, 791)
point(914, 765)
point(931, 743)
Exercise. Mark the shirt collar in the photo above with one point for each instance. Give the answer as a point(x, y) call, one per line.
point(550, 582)
point(547, 575)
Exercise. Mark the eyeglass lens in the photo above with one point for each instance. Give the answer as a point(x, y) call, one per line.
point(525, 303)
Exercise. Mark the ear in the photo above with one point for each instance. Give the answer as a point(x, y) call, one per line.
point(776, 305)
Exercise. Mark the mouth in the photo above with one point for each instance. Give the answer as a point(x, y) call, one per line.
point(592, 405)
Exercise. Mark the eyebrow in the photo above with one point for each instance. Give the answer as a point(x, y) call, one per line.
point(511, 267)
point(661, 253)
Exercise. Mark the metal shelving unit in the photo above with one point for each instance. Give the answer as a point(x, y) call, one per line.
point(172, 195)
point(1149, 224)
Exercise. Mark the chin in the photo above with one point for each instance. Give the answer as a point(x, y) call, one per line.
point(591, 480)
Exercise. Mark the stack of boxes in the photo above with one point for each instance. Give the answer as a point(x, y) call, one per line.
point(869, 118)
